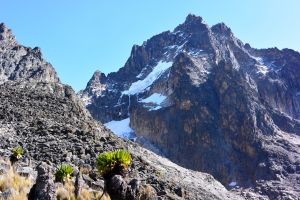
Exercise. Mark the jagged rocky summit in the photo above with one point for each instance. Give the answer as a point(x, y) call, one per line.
point(46, 118)
point(22, 63)
point(209, 102)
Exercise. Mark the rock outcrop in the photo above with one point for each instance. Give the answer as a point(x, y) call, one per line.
point(44, 188)
point(211, 103)
point(50, 123)
point(22, 63)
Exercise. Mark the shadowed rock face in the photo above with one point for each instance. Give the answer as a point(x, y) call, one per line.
point(228, 109)
point(48, 120)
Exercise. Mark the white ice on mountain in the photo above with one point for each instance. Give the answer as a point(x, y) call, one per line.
point(154, 101)
point(232, 184)
point(121, 128)
point(263, 69)
point(154, 98)
point(87, 100)
point(141, 85)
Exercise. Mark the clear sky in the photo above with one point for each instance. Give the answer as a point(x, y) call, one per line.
point(77, 37)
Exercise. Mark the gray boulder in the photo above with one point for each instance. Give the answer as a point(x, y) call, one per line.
point(44, 187)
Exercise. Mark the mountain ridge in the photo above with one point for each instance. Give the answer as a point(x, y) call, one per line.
point(223, 102)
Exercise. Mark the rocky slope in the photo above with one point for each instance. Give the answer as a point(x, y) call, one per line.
point(47, 119)
point(210, 103)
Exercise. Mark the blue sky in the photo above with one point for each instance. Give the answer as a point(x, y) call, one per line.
point(78, 37)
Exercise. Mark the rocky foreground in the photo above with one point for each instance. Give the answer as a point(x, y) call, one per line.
point(53, 127)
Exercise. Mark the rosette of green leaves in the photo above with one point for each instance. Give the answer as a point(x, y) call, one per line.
point(113, 162)
point(63, 172)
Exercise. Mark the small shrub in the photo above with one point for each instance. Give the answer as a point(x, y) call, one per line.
point(63, 172)
point(17, 152)
point(123, 158)
point(113, 162)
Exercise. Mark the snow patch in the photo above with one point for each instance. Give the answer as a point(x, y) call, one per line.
point(153, 101)
point(232, 184)
point(154, 98)
point(121, 128)
point(172, 47)
point(141, 74)
point(262, 69)
point(87, 100)
point(98, 90)
point(154, 108)
point(258, 59)
point(180, 34)
point(195, 52)
point(174, 50)
point(141, 85)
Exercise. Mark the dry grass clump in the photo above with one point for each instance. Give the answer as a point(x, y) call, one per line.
point(66, 192)
point(86, 194)
point(13, 180)
point(63, 194)
point(85, 170)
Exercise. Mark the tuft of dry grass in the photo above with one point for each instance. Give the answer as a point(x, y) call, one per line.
point(63, 194)
point(13, 180)
point(85, 195)
point(88, 194)
point(99, 196)
point(66, 192)
point(85, 170)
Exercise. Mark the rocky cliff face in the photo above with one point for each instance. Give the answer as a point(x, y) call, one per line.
point(22, 63)
point(211, 103)
point(47, 119)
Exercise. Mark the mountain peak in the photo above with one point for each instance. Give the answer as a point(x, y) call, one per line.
point(3, 27)
point(97, 73)
point(97, 78)
point(193, 18)
point(6, 34)
point(221, 28)
point(22, 63)
point(193, 24)
point(95, 86)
